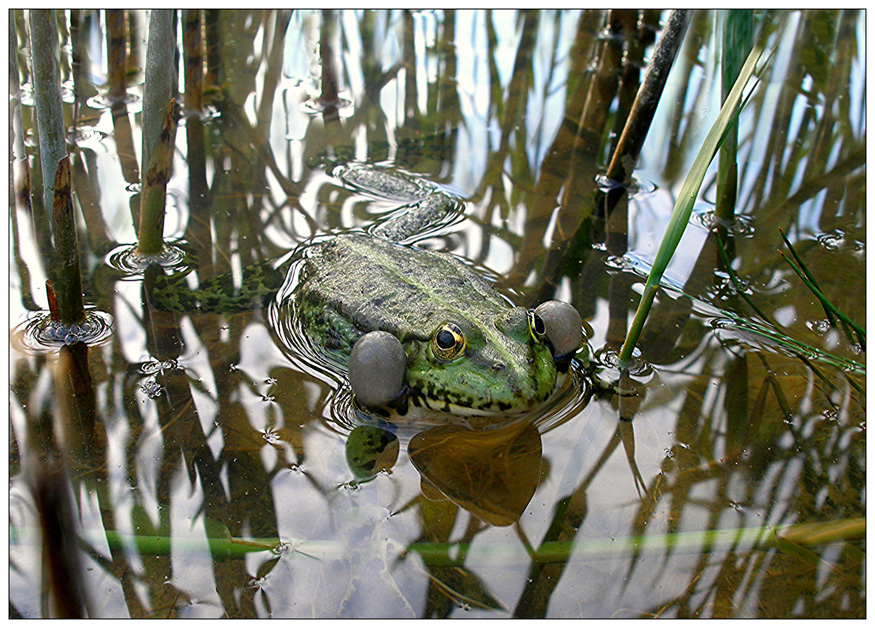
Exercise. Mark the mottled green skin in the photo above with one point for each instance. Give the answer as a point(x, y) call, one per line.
point(356, 283)
point(353, 284)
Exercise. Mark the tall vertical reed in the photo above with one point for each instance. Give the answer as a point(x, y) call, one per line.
point(687, 197)
point(63, 267)
point(160, 77)
point(47, 96)
point(117, 53)
point(737, 42)
point(67, 281)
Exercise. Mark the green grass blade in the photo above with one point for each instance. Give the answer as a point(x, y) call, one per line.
point(761, 538)
point(829, 307)
point(832, 312)
point(688, 194)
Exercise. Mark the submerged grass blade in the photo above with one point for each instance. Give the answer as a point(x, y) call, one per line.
point(829, 307)
point(758, 538)
point(773, 332)
point(832, 312)
point(687, 197)
point(808, 274)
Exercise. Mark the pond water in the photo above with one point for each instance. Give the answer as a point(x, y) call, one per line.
point(212, 471)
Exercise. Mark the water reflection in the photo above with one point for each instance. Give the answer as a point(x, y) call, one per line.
point(492, 474)
point(245, 488)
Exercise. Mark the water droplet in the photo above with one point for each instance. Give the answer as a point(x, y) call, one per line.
point(820, 326)
point(284, 547)
point(255, 583)
point(617, 262)
point(831, 241)
point(739, 226)
point(151, 388)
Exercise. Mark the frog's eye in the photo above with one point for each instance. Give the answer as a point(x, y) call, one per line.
point(448, 342)
point(537, 327)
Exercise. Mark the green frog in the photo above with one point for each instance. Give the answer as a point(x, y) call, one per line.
point(415, 326)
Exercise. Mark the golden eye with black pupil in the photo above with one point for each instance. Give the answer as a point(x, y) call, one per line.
point(537, 327)
point(448, 342)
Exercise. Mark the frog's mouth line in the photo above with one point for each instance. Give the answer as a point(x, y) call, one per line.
point(419, 400)
point(442, 405)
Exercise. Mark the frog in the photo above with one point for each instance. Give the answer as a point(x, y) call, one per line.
point(413, 326)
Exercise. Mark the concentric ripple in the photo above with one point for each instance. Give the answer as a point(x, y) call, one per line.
point(41, 334)
point(173, 257)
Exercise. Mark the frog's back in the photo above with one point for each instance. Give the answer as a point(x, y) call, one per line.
point(355, 283)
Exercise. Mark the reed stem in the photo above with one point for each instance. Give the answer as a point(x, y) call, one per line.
point(116, 54)
point(68, 282)
point(151, 231)
point(737, 42)
point(47, 97)
point(160, 77)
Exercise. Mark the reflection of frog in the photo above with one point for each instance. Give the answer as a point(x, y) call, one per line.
point(491, 473)
point(420, 326)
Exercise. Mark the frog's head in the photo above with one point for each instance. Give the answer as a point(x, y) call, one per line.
point(505, 364)
point(484, 367)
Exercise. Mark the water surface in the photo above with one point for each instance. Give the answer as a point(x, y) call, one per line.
point(728, 478)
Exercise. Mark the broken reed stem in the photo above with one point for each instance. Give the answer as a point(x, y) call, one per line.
point(647, 99)
point(68, 281)
point(151, 231)
point(160, 76)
